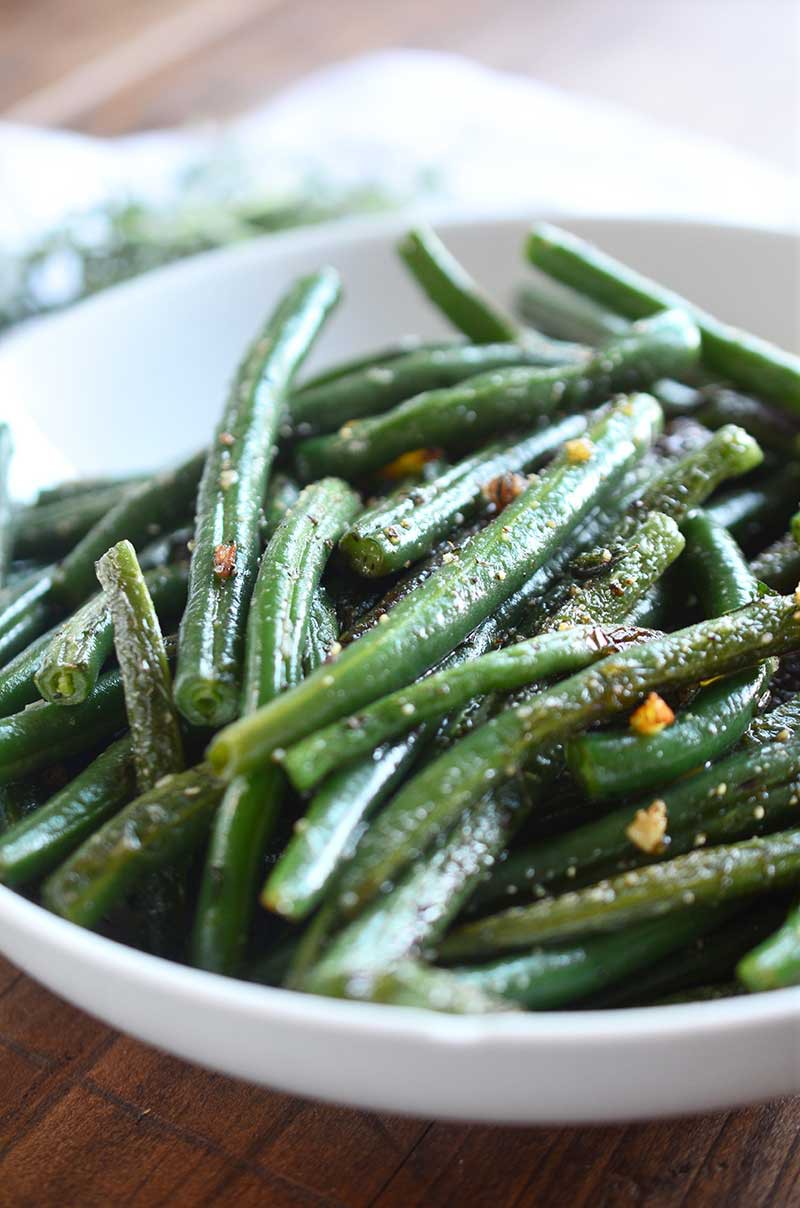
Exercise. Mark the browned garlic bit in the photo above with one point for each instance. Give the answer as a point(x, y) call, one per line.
point(652, 716)
point(504, 489)
point(224, 560)
point(649, 827)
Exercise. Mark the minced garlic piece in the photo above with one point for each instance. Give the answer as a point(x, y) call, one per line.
point(649, 827)
point(652, 715)
point(408, 464)
point(579, 450)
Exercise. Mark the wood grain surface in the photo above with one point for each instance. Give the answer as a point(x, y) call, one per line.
point(91, 1118)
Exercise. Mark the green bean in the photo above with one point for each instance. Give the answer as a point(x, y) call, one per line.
point(403, 584)
point(44, 733)
point(311, 943)
point(758, 513)
point(495, 751)
point(19, 570)
point(272, 967)
point(608, 599)
point(425, 626)
point(743, 359)
point(418, 910)
point(50, 530)
point(164, 500)
point(18, 799)
point(166, 551)
point(652, 611)
point(17, 682)
point(169, 821)
point(281, 495)
point(707, 992)
point(543, 657)
point(553, 977)
point(706, 877)
point(614, 763)
point(77, 650)
point(43, 839)
point(684, 484)
point(369, 360)
point(7, 520)
point(72, 488)
point(565, 314)
point(407, 525)
point(439, 877)
point(323, 631)
point(234, 859)
point(327, 833)
point(277, 631)
point(372, 391)
point(709, 958)
point(353, 598)
point(779, 725)
point(433, 697)
point(414, 984)
point(224, 563)
point(288, 581)
point(604, 602)
point(451, 289)
point(779, 564)
point(776, 961)
point(25, 612)
point(677, 398)
point(450, 549)
point(144, 668)
point(772, 428)
point(750, 790)
point(330, 830)
point(460, 416)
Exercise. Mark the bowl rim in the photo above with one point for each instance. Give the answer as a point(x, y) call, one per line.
point(565, 1028)
point(359, 229)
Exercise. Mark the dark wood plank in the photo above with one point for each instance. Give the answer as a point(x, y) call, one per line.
point(276, 1132)
point(57, 1042)
point(729, 1175)
point(97, 1150)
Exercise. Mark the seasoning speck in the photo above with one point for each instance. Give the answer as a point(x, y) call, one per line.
point(649, 827)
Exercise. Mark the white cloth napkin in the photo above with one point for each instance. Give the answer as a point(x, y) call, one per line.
point(420, 124)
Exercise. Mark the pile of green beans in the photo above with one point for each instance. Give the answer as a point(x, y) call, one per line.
point(484, 684)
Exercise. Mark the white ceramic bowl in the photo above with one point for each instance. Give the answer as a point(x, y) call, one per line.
point(136, 376)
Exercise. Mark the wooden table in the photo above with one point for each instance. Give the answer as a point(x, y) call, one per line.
point(89, 1117)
